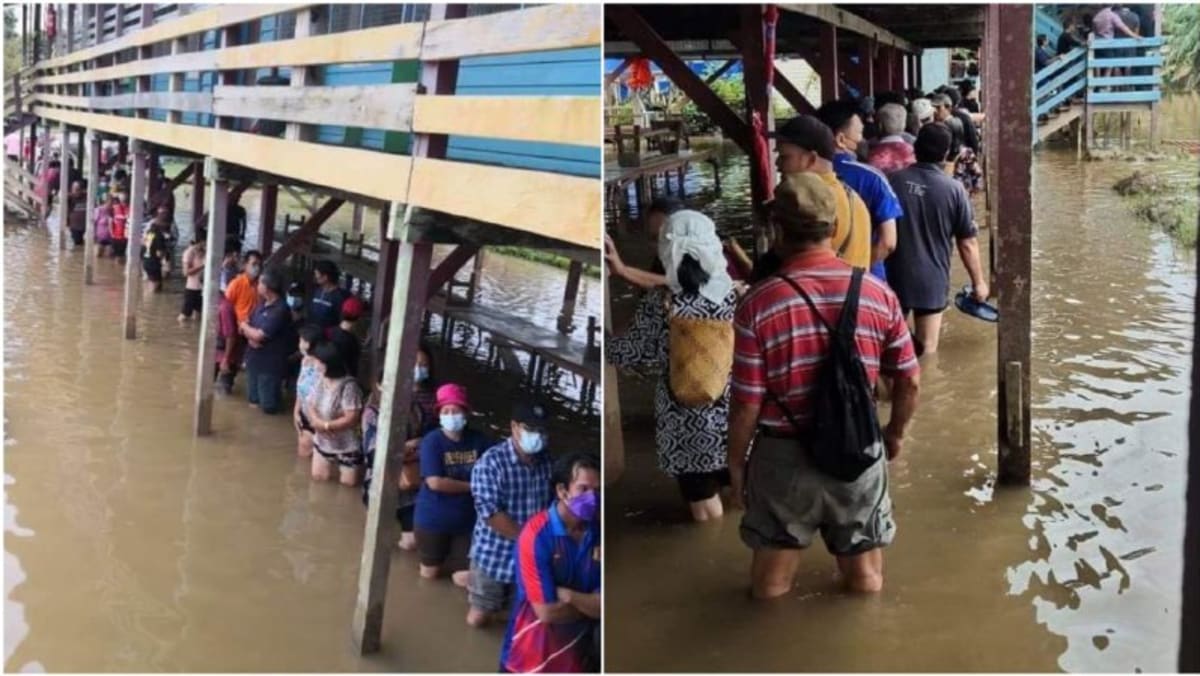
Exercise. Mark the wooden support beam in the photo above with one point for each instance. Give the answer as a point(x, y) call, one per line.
point(614, 434)
point(93, 179)
point(308, 22)
point(381, 297)
point(836, 17)
point(751, 26)
point(570, 296)
point(1012, 26)
point(306, 234)
point(409, 292)
point(716, 74)
point(450, 266)
point(64, 182)
point(133, 229)
point(616, 73)
point(161, 195)
point(635, 27)
point(266, 220)
point(1189, 649)
point(213, 253)
point(198, 194)
point(793, 95)
point(827, 63)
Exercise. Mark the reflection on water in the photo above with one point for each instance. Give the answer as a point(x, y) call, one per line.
point(132, 547)
point(1080, 573)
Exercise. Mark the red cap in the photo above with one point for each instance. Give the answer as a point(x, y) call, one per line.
point(452, 395)
point(353, 308)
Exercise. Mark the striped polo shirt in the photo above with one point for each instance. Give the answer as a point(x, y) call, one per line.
point(780, 345)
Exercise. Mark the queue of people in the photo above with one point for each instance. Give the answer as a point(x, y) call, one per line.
point(767, 386)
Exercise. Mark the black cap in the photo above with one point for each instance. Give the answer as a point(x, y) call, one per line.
point(531, 414)
point(807, 132)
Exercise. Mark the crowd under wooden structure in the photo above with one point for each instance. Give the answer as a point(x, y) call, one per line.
point(180, 81)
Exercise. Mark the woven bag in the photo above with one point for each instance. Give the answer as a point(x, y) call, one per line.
point(701, 353)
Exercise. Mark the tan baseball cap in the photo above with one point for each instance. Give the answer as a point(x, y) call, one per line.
point(804, 198)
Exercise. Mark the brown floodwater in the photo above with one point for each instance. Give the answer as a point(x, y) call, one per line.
point(1080, 572)
point(131, 546)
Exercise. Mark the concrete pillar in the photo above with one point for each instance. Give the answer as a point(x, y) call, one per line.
point(133, 257)
point(93, 180)
point(215, 248)
point(64, 184)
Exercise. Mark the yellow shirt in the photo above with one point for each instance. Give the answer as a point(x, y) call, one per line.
point(853, 223)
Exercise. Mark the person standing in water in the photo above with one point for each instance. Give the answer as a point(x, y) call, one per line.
point(689, 435)
point(193, 270)
point(511, 483)
point(333, 409)
point(445, 511)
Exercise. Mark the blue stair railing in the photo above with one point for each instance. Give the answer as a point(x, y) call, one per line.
point(1138, 59)
point(1059, 82)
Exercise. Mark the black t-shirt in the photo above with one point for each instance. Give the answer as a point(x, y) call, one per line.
point(155, 245)
point(1067, 41)
point(970, 136)
point(349, 347)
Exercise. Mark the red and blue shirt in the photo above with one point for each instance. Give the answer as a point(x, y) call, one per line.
point(548, 558)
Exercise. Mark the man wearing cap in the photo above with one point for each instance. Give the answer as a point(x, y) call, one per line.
point(805, 145)
point(870, 183)
point(937, 211)
point(779, 347)
point(511, 483)
point(267, 333)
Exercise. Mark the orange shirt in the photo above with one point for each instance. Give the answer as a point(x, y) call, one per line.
point(243, 295)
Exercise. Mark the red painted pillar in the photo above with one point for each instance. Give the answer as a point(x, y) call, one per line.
point(828, 69)
point(897, 63)
point(882, 67)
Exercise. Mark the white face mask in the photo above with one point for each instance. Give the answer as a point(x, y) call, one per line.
point(420, 373)
point(531, 443)
point(452, 422)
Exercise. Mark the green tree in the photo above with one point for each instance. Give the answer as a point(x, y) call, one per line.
point(1181, 27)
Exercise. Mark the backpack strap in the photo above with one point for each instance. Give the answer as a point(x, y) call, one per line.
point(848, 321)
point(849, 209)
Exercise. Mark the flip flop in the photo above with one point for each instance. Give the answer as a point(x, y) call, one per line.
point(967, 304)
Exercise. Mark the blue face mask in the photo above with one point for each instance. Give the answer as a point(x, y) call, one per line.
point(532, 443)
point(453, 422)
point(295, 302)
point(421, 373)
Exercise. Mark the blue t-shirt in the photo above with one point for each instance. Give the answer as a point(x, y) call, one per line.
point(441, 456)
point(325, 308)
point(274, 320)
point(873, 187)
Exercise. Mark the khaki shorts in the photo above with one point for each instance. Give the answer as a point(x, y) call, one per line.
point(788, 501)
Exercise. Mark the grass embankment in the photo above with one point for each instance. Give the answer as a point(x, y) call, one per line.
point(543, 257)
point(1169, 205)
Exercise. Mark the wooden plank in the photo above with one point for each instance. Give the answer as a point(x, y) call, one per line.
point(565, 208)
point(379, 175)
point(1013, 206)
point(304, 236)
point(388, 106)
point(1152, 80)
point(574, 120)
point(93, 178)
point(1125, 97)
point(513, 32)
point(133, 229)
point(216, 17)
point(386, 43)
point(841, 18)
point(450, 266)
point(268, 205)
point(827, 65)
point(1127, 61)
point(196, 102)
point(1125, 43)
point(214, 252)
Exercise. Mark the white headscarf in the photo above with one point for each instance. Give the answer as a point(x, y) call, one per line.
point(692, 233)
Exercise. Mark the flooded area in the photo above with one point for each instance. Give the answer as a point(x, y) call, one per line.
point(1080, 573)
point(131, 546)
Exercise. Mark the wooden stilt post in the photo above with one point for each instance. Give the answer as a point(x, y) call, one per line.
point(614, 435)
point(408, 309)
point(828, 65)
point(93, 178)
point(758, 104)
point(1012, 26)
point(198, 195)
point(1189, 649)
point(266, 220)
point(215, 248)
point(570, 293)
point(381, 299)
point(64, 185)
point(409, 295)
point(133, 228)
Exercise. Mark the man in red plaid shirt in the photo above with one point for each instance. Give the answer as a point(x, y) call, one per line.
point(779, 348)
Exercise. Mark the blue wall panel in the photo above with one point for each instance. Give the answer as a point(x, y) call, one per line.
point(563, 72)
